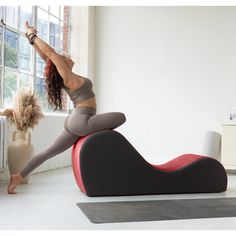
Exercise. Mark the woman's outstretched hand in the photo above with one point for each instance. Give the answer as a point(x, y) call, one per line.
point(29, 29)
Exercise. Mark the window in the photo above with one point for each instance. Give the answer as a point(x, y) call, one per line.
point(19, 65)
point(1, 40)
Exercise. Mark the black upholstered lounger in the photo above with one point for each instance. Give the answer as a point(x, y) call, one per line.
point(106, 164)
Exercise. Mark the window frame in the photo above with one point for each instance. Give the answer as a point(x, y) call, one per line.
point(33, 55)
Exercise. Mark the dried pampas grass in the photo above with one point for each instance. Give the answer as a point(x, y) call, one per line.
point(26, 112)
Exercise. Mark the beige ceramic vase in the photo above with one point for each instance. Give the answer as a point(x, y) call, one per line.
point(19, 152)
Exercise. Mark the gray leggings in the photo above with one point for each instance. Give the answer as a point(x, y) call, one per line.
point(81, 122)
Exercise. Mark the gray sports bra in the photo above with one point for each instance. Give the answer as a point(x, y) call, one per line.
point(82, 93)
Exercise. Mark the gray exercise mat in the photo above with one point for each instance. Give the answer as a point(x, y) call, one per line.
point(134, 211)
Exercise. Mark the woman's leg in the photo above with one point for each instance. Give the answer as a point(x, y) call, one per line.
point(62, 142)
point(82, 124)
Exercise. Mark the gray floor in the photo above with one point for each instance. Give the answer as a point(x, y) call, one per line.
point(49, 202)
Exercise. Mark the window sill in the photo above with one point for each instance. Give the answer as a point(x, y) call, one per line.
point(56, 114)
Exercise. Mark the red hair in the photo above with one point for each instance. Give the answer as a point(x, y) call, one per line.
point(54, 84)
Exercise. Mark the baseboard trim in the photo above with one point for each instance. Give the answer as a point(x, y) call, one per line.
point(5, 175)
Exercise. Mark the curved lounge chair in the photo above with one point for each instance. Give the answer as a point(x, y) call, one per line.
point(106, 164)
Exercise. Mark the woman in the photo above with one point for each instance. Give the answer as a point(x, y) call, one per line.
point(82, 121)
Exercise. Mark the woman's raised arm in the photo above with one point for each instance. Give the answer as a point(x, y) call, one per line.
point(48, 52)
point(41, 54)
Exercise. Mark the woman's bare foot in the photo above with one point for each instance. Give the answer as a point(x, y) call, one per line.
point(15, 180)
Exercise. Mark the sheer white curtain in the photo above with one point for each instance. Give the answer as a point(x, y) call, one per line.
point(82, 40)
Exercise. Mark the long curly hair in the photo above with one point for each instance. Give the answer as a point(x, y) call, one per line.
point(54, 84)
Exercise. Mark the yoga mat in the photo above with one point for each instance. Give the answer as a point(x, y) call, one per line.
point(158, 210)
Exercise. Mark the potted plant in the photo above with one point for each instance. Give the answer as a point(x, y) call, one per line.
point(25, 114)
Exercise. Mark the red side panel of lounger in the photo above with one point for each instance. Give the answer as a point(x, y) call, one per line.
point(76, 163)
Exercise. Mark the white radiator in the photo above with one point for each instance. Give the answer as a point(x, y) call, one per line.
point(229, 146)
point(4, 131)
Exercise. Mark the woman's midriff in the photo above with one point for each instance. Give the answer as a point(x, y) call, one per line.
point(90, 102)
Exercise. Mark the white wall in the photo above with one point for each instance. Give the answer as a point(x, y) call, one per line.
point(171, 70)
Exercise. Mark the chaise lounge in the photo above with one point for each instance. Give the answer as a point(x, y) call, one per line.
point(106, 164)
